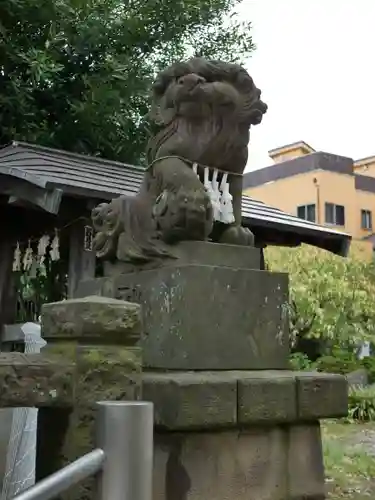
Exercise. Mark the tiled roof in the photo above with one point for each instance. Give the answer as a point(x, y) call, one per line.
point(80, 175)
point(73, 173)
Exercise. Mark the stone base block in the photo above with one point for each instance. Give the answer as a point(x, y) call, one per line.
point(199, 317)
point(256, 464)
point(305, 464)
point(209, 400)
point(92, 317)
point(195, 252)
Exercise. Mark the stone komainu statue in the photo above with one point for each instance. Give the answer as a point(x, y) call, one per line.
point(192, 188)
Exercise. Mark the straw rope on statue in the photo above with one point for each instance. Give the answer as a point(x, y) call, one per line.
point(218, 191)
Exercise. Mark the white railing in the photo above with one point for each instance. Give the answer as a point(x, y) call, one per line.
point(122, 461)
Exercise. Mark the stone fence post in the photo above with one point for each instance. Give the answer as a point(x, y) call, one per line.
point(99, 336)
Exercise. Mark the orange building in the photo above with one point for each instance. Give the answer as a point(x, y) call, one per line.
point(328, 189)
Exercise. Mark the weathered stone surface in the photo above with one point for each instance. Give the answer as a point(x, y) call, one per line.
point(98, 335)
point(212, 400)
point(29, 380)
point(102, 372)
point(224, 465)
point(267, 396)
point(196, 252)
point(192, 400)
point(107, 373)
point(305, 463)
point(93, 317)
point(209, 318)
point(321, 395)
point(262, 463)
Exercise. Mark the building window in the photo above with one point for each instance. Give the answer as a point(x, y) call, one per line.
point(366, 219)
point(306, 212)
point(335, 214)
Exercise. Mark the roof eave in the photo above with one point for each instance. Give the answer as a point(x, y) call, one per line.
point(24, 187)
point(337, 243)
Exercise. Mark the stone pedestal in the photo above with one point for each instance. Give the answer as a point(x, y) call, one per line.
point(208, 317)
point(231, 420)
point(257, 464)
point(99, 335)
point(241, 434)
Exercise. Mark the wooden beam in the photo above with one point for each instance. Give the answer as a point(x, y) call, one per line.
point(8, 298)
point(21, 190)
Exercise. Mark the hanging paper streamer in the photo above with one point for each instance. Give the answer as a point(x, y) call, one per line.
point(17, 259)
point(207, 183)
point(226, 205)
point(28, 258)
point(216, 196)
point(215, 201)
point(55, 247)
point(88, 239)
point(195, 169)
point(42, 248)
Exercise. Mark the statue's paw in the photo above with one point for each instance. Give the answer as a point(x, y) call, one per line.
point(237, 235)
point(183, 215)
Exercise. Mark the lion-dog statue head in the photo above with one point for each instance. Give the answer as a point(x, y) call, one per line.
point(204, 110)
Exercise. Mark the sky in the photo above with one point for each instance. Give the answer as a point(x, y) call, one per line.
point(315, 65)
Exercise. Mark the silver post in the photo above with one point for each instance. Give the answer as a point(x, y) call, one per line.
point(125, 434)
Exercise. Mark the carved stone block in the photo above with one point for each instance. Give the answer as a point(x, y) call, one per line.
point(92, 317)
point(321, 395)
point(266, 397)
point(192, 400)
point(305, 463)
point(195, 252)
point(202, 400)
point(208, 318)
point(29, 380)
point(236, 465)
point(99, 336)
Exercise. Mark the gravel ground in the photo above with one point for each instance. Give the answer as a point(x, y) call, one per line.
point(364, 439)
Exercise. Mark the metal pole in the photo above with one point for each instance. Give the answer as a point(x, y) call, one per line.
point(62, 480)
point(125, 434)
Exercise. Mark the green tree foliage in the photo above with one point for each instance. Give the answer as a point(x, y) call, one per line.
point(331, 298)
point(75, 74)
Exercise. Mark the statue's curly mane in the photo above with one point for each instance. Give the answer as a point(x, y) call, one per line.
point(212, 71)
point(250, 107)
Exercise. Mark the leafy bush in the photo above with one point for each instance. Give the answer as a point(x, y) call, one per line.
point(339, 362)
point(331, 298)
point(362, 404)
point(344, 362)
point(368, 363)
point(299, 361)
